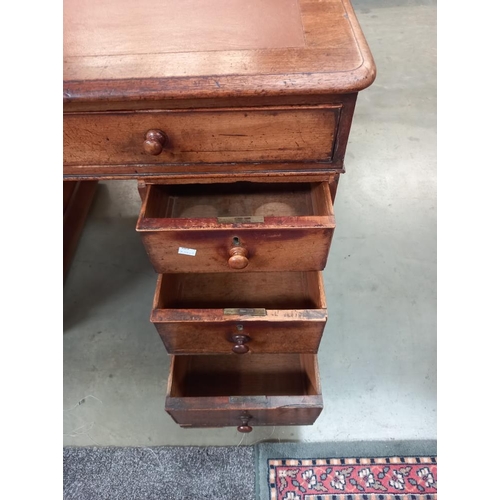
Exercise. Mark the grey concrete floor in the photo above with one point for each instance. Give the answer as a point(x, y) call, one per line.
point(378, 354)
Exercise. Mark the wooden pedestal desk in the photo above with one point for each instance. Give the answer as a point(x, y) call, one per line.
point(233, 116)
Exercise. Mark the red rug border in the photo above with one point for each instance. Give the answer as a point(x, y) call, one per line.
point(356, 460)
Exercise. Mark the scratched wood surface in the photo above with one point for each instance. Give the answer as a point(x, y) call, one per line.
point(213, 391)
point(195, 97)
point(202, 136)
point(275, 312)
point(170, 49)
point(292, 229)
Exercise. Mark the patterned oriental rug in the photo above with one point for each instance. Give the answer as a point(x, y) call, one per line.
point(383, 478)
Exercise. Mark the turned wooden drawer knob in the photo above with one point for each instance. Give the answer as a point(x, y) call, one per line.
point(154, 140)
point(238, 258)
point(244, 427)
point(240, 341)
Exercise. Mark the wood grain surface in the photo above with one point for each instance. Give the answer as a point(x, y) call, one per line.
point(202, 136)
point(169, 50)
point(212, 391)
point(234, 118)
point(180, 295)
point(292, 226)
point(278, 312)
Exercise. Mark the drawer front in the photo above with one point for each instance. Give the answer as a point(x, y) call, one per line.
point(299, 249)
point(224, 313)
point(199, 243)
point(284, 335)
point(277, 411)
point(200, 136)
point(221, 391)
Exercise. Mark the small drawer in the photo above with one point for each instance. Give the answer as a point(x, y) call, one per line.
point(237, 227)
point(224, 391)
point(226, 313)
point(200, 136)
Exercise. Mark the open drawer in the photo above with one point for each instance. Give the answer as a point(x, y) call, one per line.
point(241, 226)
point(225, 313)
point(265, 389)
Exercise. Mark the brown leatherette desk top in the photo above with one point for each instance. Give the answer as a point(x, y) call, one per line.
point(125, 50)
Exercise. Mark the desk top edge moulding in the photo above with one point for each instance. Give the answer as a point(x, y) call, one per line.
point(234, 118)
point(117, 51)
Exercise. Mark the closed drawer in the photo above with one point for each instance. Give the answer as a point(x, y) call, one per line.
point(200, 136)
point(240, 313)
point(242, 226)
point(263, 389)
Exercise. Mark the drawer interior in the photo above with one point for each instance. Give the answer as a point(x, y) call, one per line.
point(256, 375)
point(274, 291)
point(238, 199)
